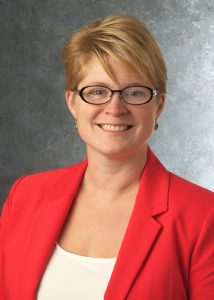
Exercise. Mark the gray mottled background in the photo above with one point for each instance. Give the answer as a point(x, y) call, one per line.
point(36, 129)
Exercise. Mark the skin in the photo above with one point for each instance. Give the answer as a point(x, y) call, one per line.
point(109, 151)
point(96, 224)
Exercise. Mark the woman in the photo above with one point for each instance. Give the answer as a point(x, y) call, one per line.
point(117, 225)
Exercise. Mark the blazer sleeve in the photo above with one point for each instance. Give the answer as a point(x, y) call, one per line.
point(201, 277)
point(4, 219)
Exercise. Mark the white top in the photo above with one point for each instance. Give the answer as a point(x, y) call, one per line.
point(70, 276)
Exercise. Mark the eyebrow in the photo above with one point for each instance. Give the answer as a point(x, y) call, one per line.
point(100, 83)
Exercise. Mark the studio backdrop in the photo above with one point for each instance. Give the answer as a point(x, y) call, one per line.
point(37, 131)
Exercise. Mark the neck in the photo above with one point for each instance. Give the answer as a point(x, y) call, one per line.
point(114, 175)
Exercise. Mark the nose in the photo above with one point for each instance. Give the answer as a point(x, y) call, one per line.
point(116, 106)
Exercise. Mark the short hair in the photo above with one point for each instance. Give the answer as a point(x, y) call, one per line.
point(122, 37)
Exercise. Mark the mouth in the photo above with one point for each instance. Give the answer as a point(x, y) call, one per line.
point(115, 128)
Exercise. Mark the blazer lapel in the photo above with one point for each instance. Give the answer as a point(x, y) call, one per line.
point(142, 231)
point(48, 223)
point(140, 236)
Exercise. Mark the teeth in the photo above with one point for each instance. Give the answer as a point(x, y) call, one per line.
point(108, 127)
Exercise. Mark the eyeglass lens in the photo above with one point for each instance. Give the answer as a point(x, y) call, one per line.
point(132, 95)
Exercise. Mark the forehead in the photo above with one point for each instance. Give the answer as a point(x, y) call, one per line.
point(95, 74)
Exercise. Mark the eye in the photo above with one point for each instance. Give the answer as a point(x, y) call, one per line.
point(136, 93)
point(96, 91)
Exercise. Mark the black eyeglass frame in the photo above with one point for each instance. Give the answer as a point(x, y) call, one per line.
point(153, 92)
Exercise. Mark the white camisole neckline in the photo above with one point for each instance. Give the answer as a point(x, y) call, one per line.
point(71, 276)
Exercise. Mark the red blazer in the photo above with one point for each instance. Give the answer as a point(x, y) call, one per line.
point(167, 252)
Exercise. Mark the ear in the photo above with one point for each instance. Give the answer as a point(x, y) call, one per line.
point(69, 96)
point(160, 104)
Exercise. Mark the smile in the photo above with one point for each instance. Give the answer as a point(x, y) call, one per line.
point(110, 127)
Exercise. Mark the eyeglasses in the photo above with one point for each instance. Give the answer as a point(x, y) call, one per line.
point(135, 95)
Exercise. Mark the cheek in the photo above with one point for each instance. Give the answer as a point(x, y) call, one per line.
point(86, 118)
point(86, 125)
point(146, 123)
point(87, 114)
point(147, 115)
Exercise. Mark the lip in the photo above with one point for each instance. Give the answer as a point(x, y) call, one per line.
point(112, 127)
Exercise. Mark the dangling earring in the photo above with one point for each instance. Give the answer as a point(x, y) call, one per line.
point(156, 125)
point(75, 124)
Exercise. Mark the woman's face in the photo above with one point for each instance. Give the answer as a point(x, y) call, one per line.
point(136, 122)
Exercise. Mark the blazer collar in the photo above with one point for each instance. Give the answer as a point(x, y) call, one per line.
point(151, 200)
point(154, 186)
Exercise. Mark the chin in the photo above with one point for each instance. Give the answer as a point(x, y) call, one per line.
point(118, 153)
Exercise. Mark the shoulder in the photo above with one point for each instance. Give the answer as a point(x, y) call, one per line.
point(35, 186)
point(188, 190)
point(48, 178)
point(189, 199)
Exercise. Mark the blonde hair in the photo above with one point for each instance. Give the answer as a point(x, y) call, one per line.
point(122, 37)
